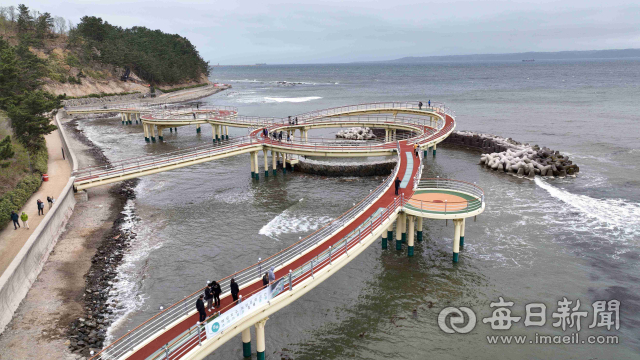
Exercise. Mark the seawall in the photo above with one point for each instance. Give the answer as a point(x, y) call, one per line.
point(17, 279)
point(379, 168)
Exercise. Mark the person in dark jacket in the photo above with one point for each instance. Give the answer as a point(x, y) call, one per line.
point(235, 290)
point(208, 297)
point(397, 182)
point(265, 280)
point(216, 290)
point(40, 207)
point(16, 223)
point(420, 105)
point(200, 308)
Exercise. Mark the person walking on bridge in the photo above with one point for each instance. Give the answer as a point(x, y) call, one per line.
point(265, 280)
point(208, 297)
point(429, 102)
point(25, 219)
point(420, 105)
point(235, 290)
point(16, 223)
point(200, 308)
point(216, 290)
point(397, 182)
point(272, 275)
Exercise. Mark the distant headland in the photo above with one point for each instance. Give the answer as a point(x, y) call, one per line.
point(528, 56)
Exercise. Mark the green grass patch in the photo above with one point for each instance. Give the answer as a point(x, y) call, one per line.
point(182, 88)
point(100, 95)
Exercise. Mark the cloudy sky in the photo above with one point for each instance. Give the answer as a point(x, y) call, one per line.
point(303, 31)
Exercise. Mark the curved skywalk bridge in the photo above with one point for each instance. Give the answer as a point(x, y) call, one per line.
point(175, 333)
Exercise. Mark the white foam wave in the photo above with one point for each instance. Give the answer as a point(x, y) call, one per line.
point(288, 222)
point(293, 100)
point(616, 213)
point(125, 293)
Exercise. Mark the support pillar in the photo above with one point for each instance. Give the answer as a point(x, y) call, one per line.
point(403, 227)
point(153, 133)
point(255, 161)
point(198, 129)
point(384, 240)
point(399, 232)
point(457, 224)
point(410, 238)
point(284, 163)
point(218, 132)
point(419, 227)
point(253, 166)
point(386, 135)
point(266, 163)
point(395, 136)
point(170, 129)
point(462, 233)
point(226, 131)
point(390, 232)
point(160, 137)
point(145, 128)
point(274, 156)
point(122, 118)
point(246, 342)
point(434, 150)
point(306, 135)
point(137, 117)
point(213, 136)
point(129, 119)
point(260, 343)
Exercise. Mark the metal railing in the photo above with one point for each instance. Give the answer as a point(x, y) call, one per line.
point(460, 206)
point(254, 273)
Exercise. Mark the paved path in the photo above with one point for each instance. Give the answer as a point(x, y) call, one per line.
point(11, 241)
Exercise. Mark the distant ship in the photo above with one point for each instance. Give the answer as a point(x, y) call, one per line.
point(528, 60)
point(260, 64)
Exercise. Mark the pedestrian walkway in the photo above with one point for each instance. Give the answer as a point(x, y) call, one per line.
point(11, 241)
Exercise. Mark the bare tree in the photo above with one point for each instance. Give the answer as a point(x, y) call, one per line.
point(12, 13)
point(60, 25)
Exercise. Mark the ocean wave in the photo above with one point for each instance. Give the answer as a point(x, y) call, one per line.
point(293, 100)
point(125, 293)
point(616, 214)
point(289, 222)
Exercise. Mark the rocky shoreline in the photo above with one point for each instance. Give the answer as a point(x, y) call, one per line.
point(513, 157)
point(88, 332)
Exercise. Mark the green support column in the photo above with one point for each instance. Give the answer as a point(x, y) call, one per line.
point(424, 153)
point(399, 232)
point(457, 223)
point(260, 341)
point(390, 233)
point(198, 129)
point(434, 150)
point(384, 240)
point(462, 234)
point(403, 225)
point(253, 166)
point(410, 238)
point(170, 129)
point(122, 118)
point(160, 137)
point(246, 342)
point(255, 159)
point(419, 227)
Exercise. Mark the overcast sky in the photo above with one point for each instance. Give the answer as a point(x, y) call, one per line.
point(316, 31)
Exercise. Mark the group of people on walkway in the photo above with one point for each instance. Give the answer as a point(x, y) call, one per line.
point(276, 136)
point(293, 121)
point(25, 218)
point(213, 290)
point(212, 296)
point(420, 104)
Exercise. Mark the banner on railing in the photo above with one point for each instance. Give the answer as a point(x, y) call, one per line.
point(246, 307)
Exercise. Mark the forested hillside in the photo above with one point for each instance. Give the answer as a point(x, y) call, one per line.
point(154, 56)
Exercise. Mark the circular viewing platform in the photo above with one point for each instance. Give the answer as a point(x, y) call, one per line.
point(445, 199)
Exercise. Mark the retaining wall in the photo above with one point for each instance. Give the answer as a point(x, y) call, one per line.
point(17, 279)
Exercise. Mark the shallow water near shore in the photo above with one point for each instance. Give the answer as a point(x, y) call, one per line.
point(537, 241)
